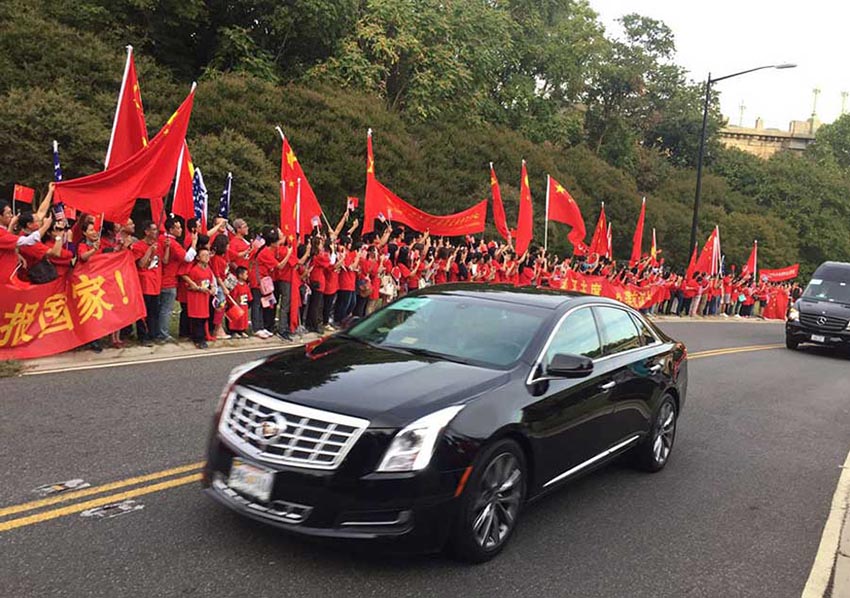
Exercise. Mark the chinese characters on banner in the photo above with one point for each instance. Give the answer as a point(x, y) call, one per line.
point(781, 274)
point(96, 298)
point(638, 297)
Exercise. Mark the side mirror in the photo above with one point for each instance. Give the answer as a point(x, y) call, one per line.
point(566, 365)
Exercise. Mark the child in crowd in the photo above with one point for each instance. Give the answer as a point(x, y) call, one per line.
point(202, 286)
point(241, 294)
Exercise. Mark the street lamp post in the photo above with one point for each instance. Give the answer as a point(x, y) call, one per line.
point(708, 83)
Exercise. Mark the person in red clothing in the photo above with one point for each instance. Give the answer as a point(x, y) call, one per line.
point(320, 263)
point(175, 261)
point(285, 253)
point(35, 253)
point(331, 285)
point(241, 296)
point(202, 286)
point(149, 267)
point(241, 252)
point(349, 263)
point(10, 242)
point(224, 283)
point(268, 267)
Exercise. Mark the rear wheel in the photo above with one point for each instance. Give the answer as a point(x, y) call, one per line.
point(791, 343)
point(491, 503)
point(654, 451)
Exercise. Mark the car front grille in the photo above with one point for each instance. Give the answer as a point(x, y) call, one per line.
point(279, 432)
point(825, 323)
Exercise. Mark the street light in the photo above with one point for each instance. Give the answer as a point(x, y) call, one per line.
point(708, 83)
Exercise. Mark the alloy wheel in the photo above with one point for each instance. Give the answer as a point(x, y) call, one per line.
point(665, 431)
point(497, 503)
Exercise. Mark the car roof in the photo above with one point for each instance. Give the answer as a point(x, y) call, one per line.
point(531, 296)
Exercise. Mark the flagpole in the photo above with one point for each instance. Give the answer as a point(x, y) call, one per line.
point(279, 130)
point(756, 261)
point(118, 106)
point(546, 224)
point(176, 176)
point(298, 209)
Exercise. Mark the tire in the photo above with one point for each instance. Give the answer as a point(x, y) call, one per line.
point(791, 343)
point(649, 456)
point(486, 518)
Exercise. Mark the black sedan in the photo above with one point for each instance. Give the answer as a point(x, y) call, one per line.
point(430, 423)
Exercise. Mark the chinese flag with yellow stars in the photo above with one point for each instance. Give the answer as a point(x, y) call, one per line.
point(563, 208)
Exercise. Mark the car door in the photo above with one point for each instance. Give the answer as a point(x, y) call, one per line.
point(567, 416)
point(636, 361)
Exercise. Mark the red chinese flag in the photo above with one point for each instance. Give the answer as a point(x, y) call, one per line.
point(692, 266)
point(599, 243)
point(184, 201)
point(499, 217)
point(129, 131)
point(290, 207)
point(637, 241)
point(750, 268)
point(653, 252)
point(563, 208)
point(23, 193)
point(147, 174)
point(709, 256)
point(525, 221)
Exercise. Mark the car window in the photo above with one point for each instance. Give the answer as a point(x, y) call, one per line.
point(479, 331)
point(646, 336)
point(576, 335)
point(618, 329)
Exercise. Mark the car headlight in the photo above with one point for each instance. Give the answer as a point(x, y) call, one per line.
point(413, 447)
point(794, 314)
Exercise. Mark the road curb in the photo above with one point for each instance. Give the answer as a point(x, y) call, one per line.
point(830, 575)
point(74, 361)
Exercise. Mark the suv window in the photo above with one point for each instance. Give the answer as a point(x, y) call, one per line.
point(619, 330)
point(577, 335)
point(647, 338)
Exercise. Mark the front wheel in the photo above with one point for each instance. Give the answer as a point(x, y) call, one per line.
point(491, 503)
point(791, 343)
point(654, 451)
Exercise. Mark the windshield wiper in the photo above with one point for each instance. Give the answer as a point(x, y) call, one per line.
point(427, 353)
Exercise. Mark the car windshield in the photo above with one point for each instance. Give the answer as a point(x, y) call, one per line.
point(465, 329)
point(834, 291)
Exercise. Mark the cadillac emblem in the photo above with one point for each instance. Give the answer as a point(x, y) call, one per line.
point(270, 430)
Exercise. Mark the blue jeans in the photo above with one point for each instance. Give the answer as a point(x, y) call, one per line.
point(167, 297)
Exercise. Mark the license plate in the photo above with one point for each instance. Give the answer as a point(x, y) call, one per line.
point(251, 480)
point(818, 338)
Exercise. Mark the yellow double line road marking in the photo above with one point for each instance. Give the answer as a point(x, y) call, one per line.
point(98, 502)
point(732, 350)
point(173, 482)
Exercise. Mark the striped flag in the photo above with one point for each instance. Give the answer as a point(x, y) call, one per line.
point(61, 211)
point(200, 199)
point(224, 200)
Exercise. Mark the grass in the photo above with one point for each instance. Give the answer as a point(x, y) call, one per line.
point(10, 368)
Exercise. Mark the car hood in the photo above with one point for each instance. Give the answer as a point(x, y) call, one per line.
point(389, 388)
point(819, 307)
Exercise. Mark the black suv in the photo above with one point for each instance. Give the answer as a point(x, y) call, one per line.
point(822, 315)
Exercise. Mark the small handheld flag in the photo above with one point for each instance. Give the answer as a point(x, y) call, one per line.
point(224, 200)
point(353, 202)
point(316, 222)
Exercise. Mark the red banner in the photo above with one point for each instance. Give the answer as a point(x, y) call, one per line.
point(95, 298)
point(383, 204)
point(638, 297)
point(781, 274)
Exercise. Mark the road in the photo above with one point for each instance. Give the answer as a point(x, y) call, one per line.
point(738, 511)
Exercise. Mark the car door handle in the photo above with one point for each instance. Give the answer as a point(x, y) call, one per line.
point(656, 368)
point(607, 386)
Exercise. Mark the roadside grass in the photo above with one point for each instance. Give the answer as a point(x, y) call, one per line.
point(10, 368)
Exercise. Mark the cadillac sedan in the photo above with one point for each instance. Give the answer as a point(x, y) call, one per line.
point(432, 422)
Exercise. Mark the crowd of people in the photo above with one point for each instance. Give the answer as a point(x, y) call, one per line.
point(230, 284)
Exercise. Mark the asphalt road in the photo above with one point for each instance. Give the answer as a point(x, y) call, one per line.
point(738, 511)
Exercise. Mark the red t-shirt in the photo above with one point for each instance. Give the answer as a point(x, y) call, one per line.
point(198, 302)
point(235, 253)
point(150, 278)
point(347, 276)
point(284, 273)
point(241, 293)
point(440, 275)
point(176, 261)
point(318, 275)
point(266, 262)
point(218, 263)
point(8, 257)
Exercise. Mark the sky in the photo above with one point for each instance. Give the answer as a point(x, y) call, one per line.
point(726, 36)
